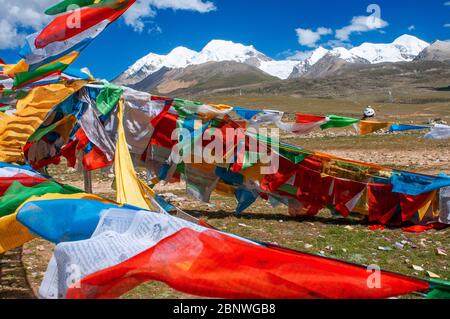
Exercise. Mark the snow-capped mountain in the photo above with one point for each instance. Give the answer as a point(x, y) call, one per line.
point(404, 49)
point(214, 51)
point(304, 66)
point(220, 50)
point(279, 69)
point(321, 53)
point(179, 57)
point(347, 56)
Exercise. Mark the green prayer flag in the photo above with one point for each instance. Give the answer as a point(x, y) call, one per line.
point(24, 78)
point(41, 132)
point(185, 108)
point(338, 121)
point(17, 193)
point(67, 5)
point(181, 168)
point(290, 189)
point(5, 108)
point(294, 157)
point(108, 98)
point(440, 289)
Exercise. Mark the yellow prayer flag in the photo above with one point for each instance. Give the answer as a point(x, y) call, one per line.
point(11, 69)
point(31, 111)
point(13, 234)
point(130, 189)
point(367, 127)
point(67, 59)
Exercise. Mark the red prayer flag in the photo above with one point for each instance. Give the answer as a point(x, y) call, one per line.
point(307, 118)
point(313, 189)
point(70, 24)
point(383, 203)
point(213, 264)
point(69, 152)
point(95, 159)
point(410, 205)
point(164, 124)
point(24, 179)
point(286, 170)
point(345, 191)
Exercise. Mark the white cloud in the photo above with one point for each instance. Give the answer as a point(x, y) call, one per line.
point(296, 55)
point(194, 5)
point(309, 38)
point(145, 9)
point(360, 24)
point(21, 17)
point(411, 28)
point(447, 25)
point(338, 43)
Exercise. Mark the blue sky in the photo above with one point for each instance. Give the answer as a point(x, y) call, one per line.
point(267, 24)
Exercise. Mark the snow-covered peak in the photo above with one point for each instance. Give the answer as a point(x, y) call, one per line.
point(214, 51)
point(180, 57)
point(317, 54)
point(279, 69)
point(304, 66)
point(404, 49)
point(227, 46)
point(410, 46)
point(378, 53)
point(344, 54)
point(221, 50)
point(411, 42)
point(149, 62)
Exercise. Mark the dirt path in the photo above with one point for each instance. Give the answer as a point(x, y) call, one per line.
point(13, 279)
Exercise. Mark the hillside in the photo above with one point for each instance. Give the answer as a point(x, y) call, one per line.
point(415, 81)
point(437, 51)
point(204, 77)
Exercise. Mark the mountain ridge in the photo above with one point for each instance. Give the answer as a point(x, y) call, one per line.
point(403, 49)
point(225, 66)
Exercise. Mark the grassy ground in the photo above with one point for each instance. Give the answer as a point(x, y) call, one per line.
point(345, 239)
